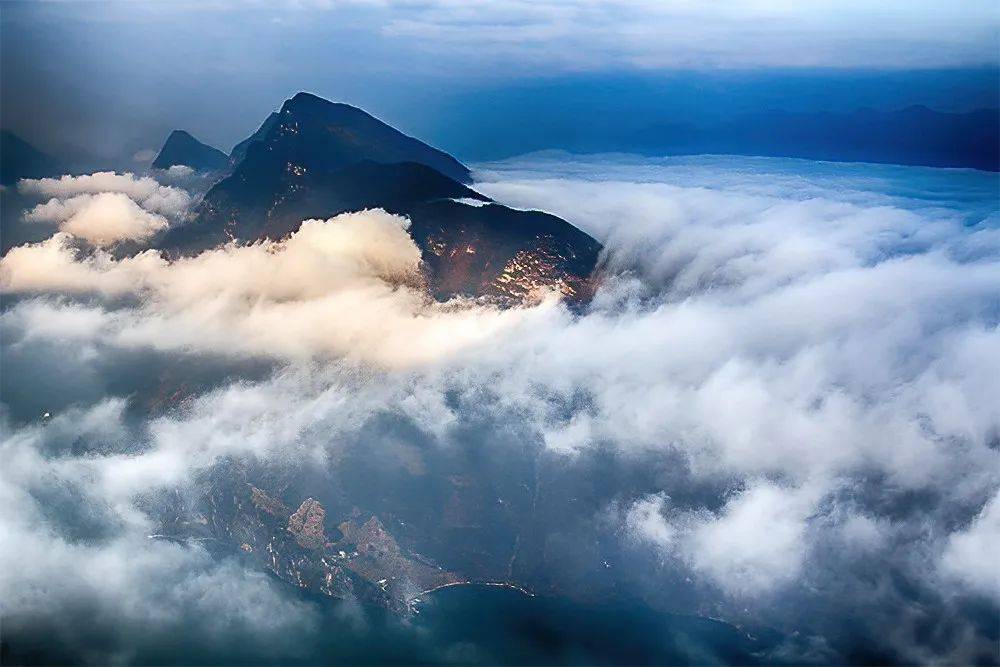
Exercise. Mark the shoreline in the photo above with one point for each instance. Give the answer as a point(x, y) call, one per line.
point(495, 584)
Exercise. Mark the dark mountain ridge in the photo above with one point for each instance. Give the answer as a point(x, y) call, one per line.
point(317, 158)
point(181, 148)
point(322, 136)
point(915, 135)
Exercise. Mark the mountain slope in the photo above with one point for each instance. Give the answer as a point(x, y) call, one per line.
point(256, 202)
point(240, 150)
point(320, 159)
point(181, 148)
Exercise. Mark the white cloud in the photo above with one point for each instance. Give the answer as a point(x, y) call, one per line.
point(52, 266)
point(757, 542)
point(182, 176)
point(179, 171)
point(776, 317)
point(863, 533)
point(645, 519)
point(681, 34)
point(550, 35)
point(971, 555)
point(819, 344)
point(754, 545)
point(816, 330)
point(118, 574)
point(145, 155)
point(145, 191)
point(340, 287)
point(101, 219)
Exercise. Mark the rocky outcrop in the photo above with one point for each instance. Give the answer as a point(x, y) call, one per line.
point(362, 560)
point(307, 524)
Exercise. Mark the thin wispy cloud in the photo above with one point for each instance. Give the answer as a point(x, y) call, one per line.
point(731, 34)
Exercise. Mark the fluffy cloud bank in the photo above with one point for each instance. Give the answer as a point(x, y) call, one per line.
point(755, 543)
point(100, 219)
point(144, 190)
point(105, 207)
point(346, 286)
point(970, 555)
point(795, 331)
point(814, 350)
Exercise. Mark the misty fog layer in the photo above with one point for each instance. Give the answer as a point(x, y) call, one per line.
point(809, 352)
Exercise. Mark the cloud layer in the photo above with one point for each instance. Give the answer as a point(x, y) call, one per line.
point(101, 219)
point(347, 286)
point(144, 190)
point(795, 332)
point(814, 348)
point(105, 208)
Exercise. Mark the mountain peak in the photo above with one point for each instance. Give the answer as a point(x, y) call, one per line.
point(303, 98)
point(308, 105)
point(324, 136)
point(181, 148)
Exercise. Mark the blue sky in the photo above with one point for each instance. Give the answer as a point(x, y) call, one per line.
point(114, 77)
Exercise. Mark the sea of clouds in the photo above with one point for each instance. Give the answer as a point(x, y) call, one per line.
point(818, 341)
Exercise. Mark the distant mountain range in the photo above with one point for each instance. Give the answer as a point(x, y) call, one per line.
point(915, 135)
point(315, 159)
point(912, 136)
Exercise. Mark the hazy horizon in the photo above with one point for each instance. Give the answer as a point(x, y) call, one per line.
point(102, 81)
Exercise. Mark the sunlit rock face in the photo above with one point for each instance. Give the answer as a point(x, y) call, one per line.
point(505, 255)
point(315, 159)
